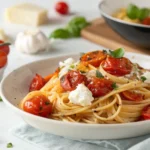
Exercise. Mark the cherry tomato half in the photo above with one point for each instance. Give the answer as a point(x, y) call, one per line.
point(117, 66)
point(37, 83)
point(71, 80)
point(99, 86)
point(94, 58)
point(132, 96)
point(4, 48)
point(146, 21)
point(38, 105)
point(146, 113)
point(3, 59)
point(62, 8)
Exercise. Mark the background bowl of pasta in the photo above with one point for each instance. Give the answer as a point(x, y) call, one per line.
point(13, 93)
point(134, 30)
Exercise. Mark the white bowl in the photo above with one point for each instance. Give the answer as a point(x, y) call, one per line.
point(15, 86)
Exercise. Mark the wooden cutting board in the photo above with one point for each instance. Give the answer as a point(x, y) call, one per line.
point(99, 32)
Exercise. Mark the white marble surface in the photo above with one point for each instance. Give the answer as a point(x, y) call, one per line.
point(89, 9)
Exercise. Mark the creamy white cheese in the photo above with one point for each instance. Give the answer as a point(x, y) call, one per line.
point(31, 42)
point(147, 75)
point(68, 64)
point(81, 96)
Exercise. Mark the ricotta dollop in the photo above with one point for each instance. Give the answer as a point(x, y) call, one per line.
point(81, 96)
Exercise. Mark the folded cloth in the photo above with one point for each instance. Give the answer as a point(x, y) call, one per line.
point(47, 141)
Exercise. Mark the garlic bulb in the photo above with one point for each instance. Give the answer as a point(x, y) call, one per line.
point(31, 42)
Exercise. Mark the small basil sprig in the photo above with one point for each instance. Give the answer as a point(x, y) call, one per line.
point(9, 145)
point(72, 29)
point(76, 25)
point(60, 34)
point(98, 74)
point(118, 53)
point(143, 78)
point(114, 86)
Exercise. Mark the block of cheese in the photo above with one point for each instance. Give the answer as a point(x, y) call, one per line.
point(27, 14)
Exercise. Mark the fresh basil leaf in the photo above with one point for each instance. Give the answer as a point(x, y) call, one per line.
point(1, 99)
point(132, 11)
point(118, 53)
point(114, 86)
point(143, 78)
point(9, 145)
point(98, 74)
point(60, 34)
point(76, 25)
point(143, 13)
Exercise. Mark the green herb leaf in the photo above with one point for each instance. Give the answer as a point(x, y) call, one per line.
point(9, 145)
point(98, 74)
point(72, 66)
point(5, 44)
point(143, 13)
point(118, 53)
point(114, 86)
point(82, 71)
point(143, 78)
point(76, 25)
point(105, 51)
point(60, 34)
point(132, 11)
point(1, 99)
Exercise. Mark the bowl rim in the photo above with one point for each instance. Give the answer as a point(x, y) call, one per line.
point(48, 120)
point(119, 20)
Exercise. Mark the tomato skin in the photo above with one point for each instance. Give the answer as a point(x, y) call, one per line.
point(117, 66)
point(71, 80)
point(38, 105)
point(146, 113)
point(132, 96)
point(62, 8)
point(3, 59)
point(99, 86)
point(37, 83)
point(146, 21)
point(94, 58)
point(4, 48)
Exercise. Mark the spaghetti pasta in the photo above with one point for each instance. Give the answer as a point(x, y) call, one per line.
point(116, 104)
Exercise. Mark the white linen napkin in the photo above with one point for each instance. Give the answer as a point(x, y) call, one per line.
point(47, 141)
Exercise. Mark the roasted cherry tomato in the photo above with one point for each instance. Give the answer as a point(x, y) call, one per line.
point(4, 48)
point(117, 66)
point(99, 86)
point(3, 59)
point(37, 83)
point(146, 21)
point(132, 96)
point(71, 80)
point(38, 105)
point(62, 8)
point(94, 58)
point(146, 113)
